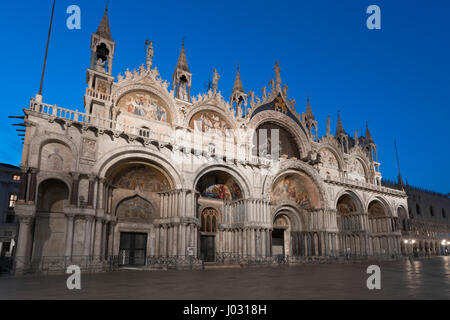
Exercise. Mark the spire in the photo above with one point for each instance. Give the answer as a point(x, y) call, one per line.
point(103, 29)
point(309, 114)
point(339, 126)
point(237, 82)
point(368, 135)
point(182, 61)
point(238, 95)
point(182, 77)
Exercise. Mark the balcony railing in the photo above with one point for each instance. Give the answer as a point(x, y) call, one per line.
point(98, 95)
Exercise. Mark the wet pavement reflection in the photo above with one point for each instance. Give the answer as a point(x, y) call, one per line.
point(418, 279)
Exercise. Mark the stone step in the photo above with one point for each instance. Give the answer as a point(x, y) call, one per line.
point(221, 266)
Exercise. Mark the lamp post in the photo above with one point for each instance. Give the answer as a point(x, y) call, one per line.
point(409, 243)
point(444, 244)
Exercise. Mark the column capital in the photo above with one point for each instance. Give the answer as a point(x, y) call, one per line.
point(70, 215)
point(24, 169)
point(26, 219)
point(75, 175)
point(92, 177)
point(33, 170)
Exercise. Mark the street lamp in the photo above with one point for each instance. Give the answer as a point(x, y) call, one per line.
point(444, 244)
point(411, 242)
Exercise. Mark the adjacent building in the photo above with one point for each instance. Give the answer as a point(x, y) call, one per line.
point(9, 192)
point(426, 229)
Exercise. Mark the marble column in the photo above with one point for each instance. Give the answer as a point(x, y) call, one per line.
point(23, 184)
point(87, 235)
point(175, 240)
point(98, 238)
point(33, 187)
point(23, 243)
point(183, 245)
point(69, 236)
point(157, 240)
point(75, 185)
point(103, 247)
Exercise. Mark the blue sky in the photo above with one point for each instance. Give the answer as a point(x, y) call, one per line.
point(397, 78)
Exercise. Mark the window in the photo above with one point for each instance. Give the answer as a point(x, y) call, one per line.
point(16, 178)
point(431, 211)
point(418, 209)
point(12, 200)
point(443, 213)
point(209, 220)
point(144, 132)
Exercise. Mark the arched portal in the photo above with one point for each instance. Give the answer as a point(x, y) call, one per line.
point(379, 225)
point(350, 222)
point(280, 235)
point(50, 227)
point(219, 192)
point(133, 196)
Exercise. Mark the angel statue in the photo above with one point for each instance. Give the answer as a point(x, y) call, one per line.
point(149, 46)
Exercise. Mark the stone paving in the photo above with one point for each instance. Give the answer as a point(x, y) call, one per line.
point(420, 279)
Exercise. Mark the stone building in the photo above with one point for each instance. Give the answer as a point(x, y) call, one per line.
point(9, 193)
point(150, 170)
point(426, 228)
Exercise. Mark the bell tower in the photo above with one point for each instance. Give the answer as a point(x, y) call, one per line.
point(238, 96)
point(99, 76)
point(182, 77)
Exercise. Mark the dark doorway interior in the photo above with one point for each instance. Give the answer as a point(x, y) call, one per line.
point(133, 247)
point(278, 242)
point(207, 248)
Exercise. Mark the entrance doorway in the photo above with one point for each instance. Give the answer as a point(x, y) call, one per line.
point(207, 248)
point(133, 249)
point(278, 242)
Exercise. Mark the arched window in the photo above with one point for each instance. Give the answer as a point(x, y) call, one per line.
point(418, 209)
point(209, 220)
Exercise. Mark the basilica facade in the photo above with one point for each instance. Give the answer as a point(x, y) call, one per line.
point(150, 170)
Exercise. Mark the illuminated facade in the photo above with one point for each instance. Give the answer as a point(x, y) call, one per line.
point(149, 170)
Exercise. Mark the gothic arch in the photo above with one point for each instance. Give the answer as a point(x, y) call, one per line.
point(149, 213)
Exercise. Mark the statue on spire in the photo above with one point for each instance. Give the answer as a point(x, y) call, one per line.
point(215, 82)
point(277, 76)
point(328, 125)
point(150, 52)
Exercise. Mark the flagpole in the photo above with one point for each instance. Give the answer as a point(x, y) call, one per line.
point(398, 166)
point(46, 49)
